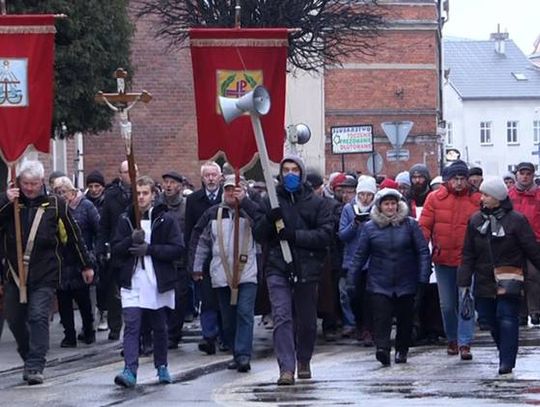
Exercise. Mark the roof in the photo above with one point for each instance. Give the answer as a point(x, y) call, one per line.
point(477, 71)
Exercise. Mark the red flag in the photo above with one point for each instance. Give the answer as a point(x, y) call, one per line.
point(26, 83)
point(230, 63)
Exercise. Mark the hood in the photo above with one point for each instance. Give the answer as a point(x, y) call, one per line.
point(298, 161)
point(382, 220)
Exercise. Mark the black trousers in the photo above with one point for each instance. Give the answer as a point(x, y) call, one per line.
point(175, 317)
point(384, 308)
point(65, 309)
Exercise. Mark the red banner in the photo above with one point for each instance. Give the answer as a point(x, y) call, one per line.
point(26, 83)
point(230, 63)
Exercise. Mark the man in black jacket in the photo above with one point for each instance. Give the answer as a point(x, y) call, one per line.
point(197, 203)
point(46, 226)
point(308, 230)
point(117, 199)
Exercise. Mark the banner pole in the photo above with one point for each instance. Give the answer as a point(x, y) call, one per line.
point(18, 240)
point(3, 7)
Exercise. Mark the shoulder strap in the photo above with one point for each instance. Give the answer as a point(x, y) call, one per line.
point(221, 244)
point(32, 236)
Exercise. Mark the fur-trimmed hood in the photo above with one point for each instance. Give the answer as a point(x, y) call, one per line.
point(382, 220)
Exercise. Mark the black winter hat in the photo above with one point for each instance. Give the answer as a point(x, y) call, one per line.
point(525, 166)
point(95, 177)
point(476, 171)
point(457, 168)
point(314, 179)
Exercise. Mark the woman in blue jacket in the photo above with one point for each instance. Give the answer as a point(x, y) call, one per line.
point(399, 261)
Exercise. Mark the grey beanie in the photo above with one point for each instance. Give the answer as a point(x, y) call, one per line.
point(298, 161)
point(495, 187)
point(404, 178)
point(386, 193)
point(420, 169)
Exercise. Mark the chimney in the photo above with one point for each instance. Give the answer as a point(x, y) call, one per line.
point(499, 39)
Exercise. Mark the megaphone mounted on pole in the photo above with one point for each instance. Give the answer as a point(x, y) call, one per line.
point(257, 103)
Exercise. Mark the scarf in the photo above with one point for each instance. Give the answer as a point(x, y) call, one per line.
point(77, 200)
point(522, 188)
point(173, 201)
point(491, 218)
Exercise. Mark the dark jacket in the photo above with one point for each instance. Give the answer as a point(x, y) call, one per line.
point(398, 254)
point(516, 246)
point(166, 246)
point(117, 198)
point(312, 221)
point(57, 228)
point(196, 204)
point(87, 218)
point(98, 202)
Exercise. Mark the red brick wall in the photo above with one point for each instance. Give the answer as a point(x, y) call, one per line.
point(374, 95)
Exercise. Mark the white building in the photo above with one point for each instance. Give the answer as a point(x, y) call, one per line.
point(491, 103)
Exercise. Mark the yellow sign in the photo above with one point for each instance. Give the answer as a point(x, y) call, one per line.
point(235, 84)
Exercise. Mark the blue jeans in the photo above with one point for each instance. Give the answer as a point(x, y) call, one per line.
point(238, 319)
point(29, 323)
point(501, 314)
point(456, 328)
point(345, 300)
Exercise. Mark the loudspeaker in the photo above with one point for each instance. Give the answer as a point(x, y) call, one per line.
point(256, 102)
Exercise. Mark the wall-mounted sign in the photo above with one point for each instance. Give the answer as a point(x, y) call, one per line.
point(352, 139)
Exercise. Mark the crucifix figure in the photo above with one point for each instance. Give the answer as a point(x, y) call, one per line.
point(122, 103)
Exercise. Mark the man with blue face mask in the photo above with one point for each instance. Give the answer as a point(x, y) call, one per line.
point(309, 228)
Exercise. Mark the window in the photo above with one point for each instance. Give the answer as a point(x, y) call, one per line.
point(511, 168)
point(449, 134)
point(511, 132)
point(485, 133)
point(536, 131)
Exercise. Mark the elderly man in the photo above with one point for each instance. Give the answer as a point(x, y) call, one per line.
point(196, 203)
point(525, 196)
point(173, 197)
point(46, 224)
point(309, 228)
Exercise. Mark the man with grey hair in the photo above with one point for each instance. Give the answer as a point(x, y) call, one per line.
point(46, 225)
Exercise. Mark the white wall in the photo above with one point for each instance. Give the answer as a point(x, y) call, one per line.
point(494, 159)
point(305, 104)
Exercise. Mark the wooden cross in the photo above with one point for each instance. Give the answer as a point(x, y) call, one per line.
point(122, 103)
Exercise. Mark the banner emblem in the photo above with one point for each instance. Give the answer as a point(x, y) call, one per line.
point(13, 82)
point(235, 84)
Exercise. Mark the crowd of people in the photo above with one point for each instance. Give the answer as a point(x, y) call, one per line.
point(365, 253)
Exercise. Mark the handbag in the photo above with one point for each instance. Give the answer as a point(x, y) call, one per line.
point(467, 305)
point(510, 280)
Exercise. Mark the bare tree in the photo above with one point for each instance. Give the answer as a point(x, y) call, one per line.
point(326, 31)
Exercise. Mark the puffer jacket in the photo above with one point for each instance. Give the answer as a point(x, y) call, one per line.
point(311, 218)
point(349, 232)
point(205, 247)
point(528, 203)
point(166, 246)
point(444, 222)
point(516, 246)
point(397, 252)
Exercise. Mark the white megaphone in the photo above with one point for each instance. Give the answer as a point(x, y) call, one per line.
point(256, 102)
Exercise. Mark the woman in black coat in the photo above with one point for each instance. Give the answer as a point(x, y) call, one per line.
point(72, 286)
point(399, 261)
point(496, 237)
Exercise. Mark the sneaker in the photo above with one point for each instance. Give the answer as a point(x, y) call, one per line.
point(465, 352)
point(383, 356)
point(68, 343)
point(163, 374)
point(232, 365)
point(102, 324)
point(452, 349)
point(207, 346)
point(223, 347)
point(34, 377)
point(243, 367)
point(285, 379)
point(126, 379)
point(304, 370)
point(505, 369)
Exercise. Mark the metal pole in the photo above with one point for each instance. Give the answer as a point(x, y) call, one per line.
point(237, 15)
point(3, 7)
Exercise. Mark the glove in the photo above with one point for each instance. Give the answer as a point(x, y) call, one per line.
point(137, 236)
point(138, 250)
point(275, 214)
point(287, 234)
